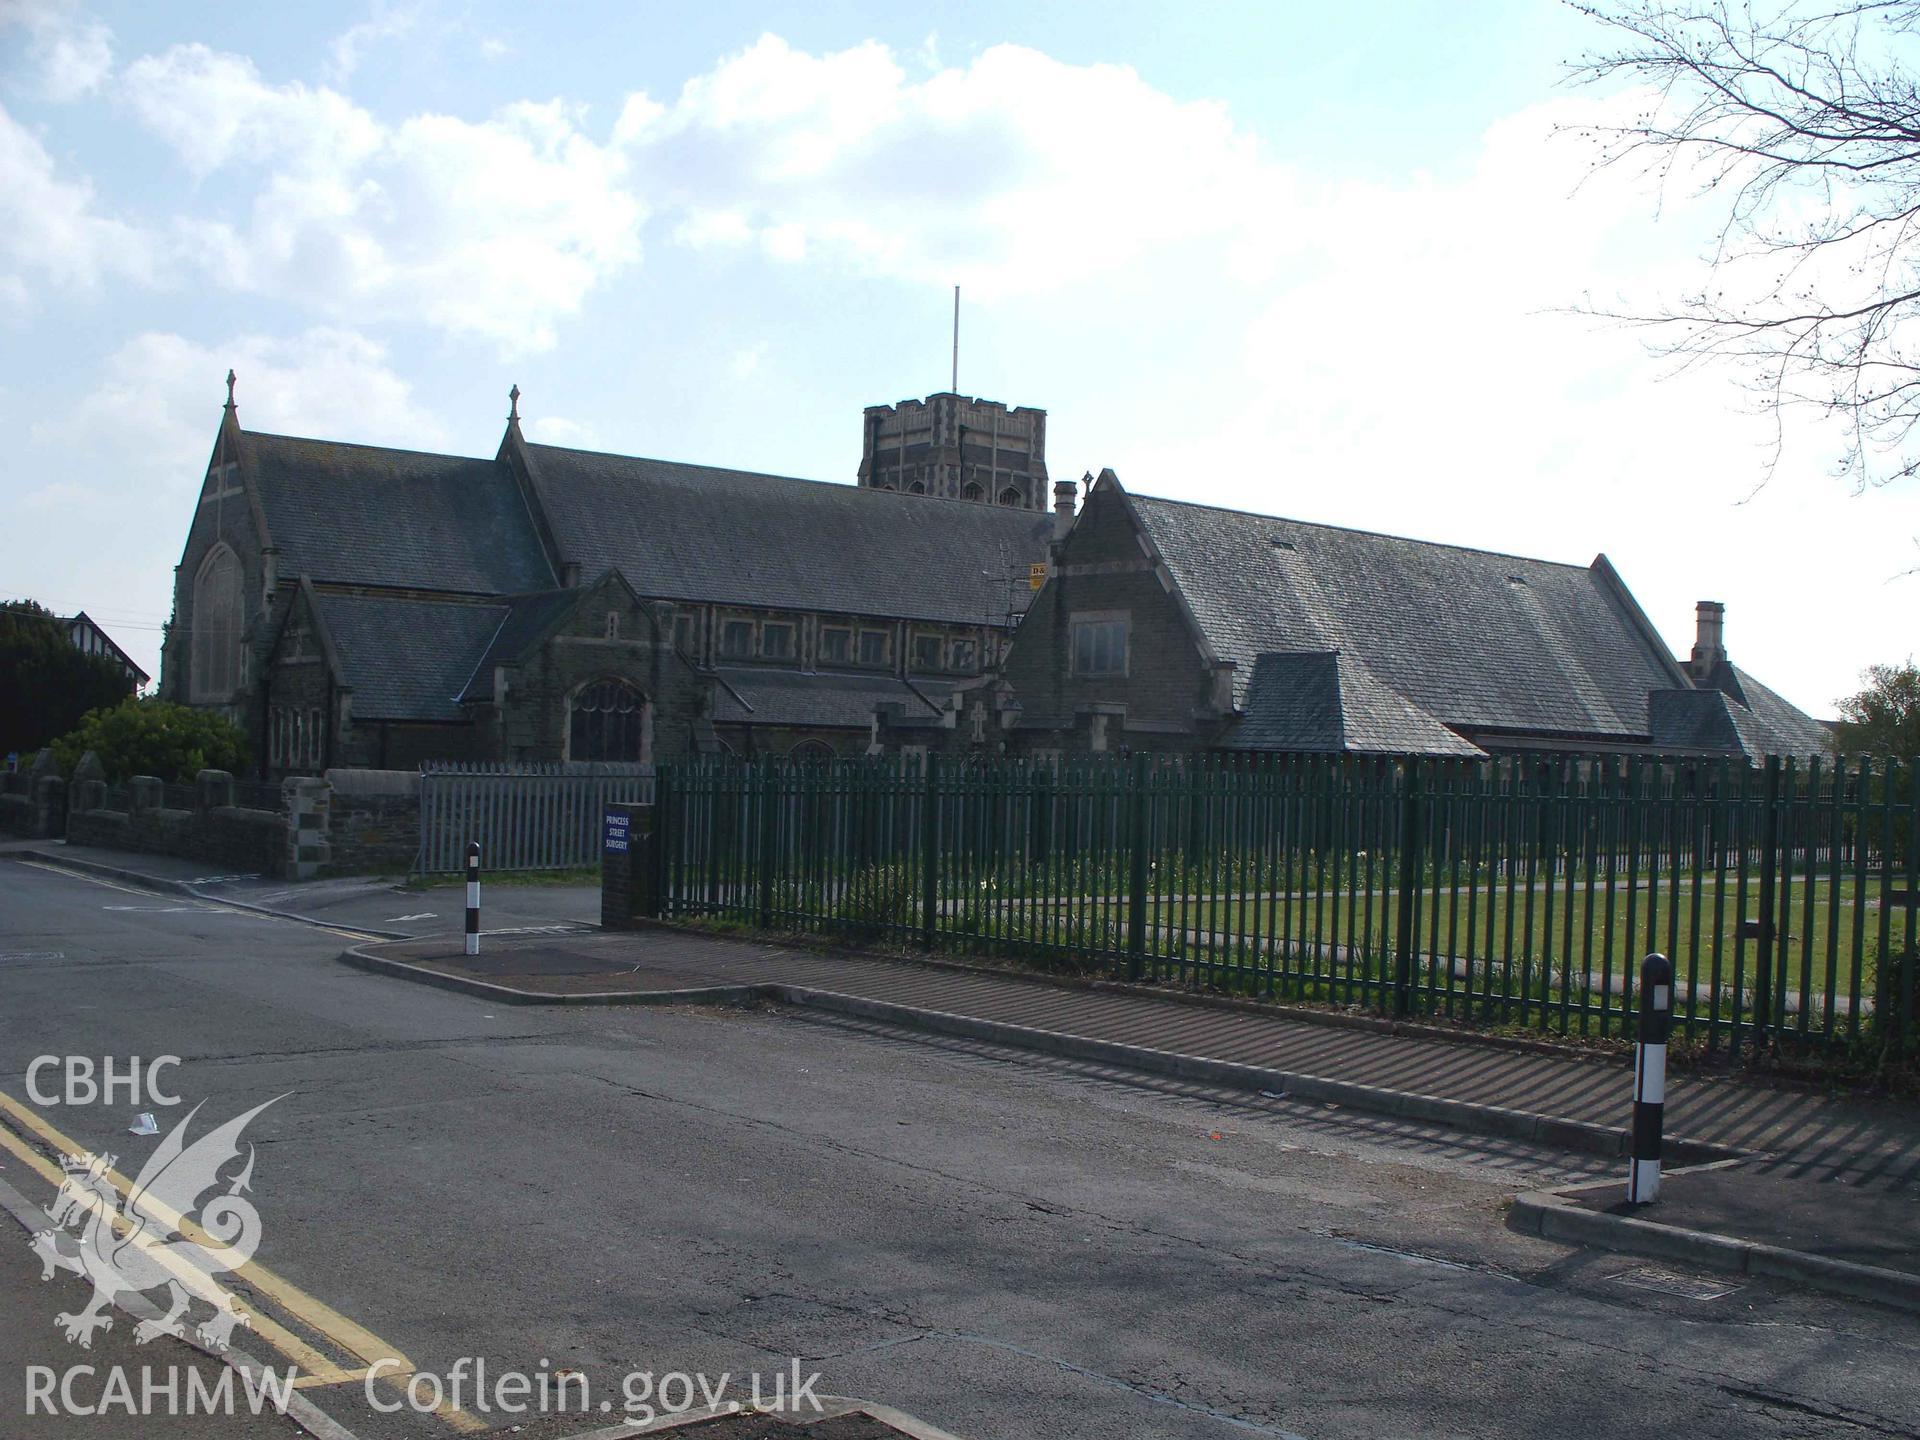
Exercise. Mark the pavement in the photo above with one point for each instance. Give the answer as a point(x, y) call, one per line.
point(1803, 1133)
point(1003, 1242)
point(1836, 1221)
point(1827, 1191)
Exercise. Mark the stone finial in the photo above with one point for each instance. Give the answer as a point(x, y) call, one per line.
point(230, 390)
point(89, 768)
point(44, 763)
point(513, 406)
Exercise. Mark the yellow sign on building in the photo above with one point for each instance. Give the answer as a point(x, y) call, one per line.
point(1036, 575)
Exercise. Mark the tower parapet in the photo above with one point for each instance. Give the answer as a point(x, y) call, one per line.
point(958, 447)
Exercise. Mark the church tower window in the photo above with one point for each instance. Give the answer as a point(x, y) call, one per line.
point(216, 626)
point(1010, 496)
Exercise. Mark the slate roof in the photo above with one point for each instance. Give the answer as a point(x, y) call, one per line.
point(796, 697)
point(695, 533)
point(1476, 639)
point(1769, 724)
point(525, 621)
point(407, 659)
point(1327, 703)
point(365, 515)
point(1685, 721)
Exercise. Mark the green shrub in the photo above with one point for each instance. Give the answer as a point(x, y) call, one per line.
point(1043, 939)
point(879, 899)
point(1889, 1026)
point(154, 737)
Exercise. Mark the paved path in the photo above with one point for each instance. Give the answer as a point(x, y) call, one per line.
point(1810, 1134)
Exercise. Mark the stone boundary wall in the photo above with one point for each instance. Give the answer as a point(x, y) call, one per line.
point(350, 822)
point(374, 821)
point(226, 836)
point(40, 813)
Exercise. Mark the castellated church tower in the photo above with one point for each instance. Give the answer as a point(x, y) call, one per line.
point(958, 447)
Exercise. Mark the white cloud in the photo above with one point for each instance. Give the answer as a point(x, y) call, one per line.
point(387, 24)
point(150, 417)
point(69, 55)
point(1014, 175)
point(746, 360)
point(119, 464)
point(58, 495)
point(1416, 372)
point(559, 430)
point(51, 232)
point(497, 229)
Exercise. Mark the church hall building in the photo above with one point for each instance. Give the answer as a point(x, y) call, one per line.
point(1169, 625)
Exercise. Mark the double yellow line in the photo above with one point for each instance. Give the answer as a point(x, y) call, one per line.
point(317, 1368)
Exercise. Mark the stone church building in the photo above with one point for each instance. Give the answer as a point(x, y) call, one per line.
point(358, 606)
point(352, 605)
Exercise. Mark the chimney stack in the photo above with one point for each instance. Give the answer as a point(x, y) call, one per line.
point(1063, 496)
point(1709, 638)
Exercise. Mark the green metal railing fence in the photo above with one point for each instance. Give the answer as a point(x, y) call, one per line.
point(1522, 892)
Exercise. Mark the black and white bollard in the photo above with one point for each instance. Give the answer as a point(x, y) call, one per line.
point(473, 899)
point(1650, 1079)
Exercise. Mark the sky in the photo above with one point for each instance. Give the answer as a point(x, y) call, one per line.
point(1315, 261)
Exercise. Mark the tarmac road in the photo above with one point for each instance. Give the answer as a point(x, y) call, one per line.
point(1003, 1246)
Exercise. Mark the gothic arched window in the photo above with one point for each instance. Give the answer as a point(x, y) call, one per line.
point(607, 722)
point(811, 752)
point(1010, 496)
point(217, 616)
point(973, 490)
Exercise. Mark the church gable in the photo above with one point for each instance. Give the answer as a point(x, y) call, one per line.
point(587, 674)
point(1107, 633)
point(223, 585)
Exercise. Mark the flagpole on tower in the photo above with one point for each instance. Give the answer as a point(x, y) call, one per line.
point(956, 339)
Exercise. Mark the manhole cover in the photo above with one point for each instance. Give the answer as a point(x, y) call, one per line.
point(1671, 1282)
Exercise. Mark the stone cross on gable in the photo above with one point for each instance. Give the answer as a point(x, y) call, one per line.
point(513, 402)
point(229, 389)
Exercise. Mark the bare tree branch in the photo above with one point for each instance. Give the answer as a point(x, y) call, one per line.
point(1807, 122)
